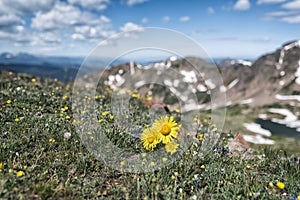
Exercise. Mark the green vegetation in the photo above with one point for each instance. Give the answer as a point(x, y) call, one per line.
point(42, 155)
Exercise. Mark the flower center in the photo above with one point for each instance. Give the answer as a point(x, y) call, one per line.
point(165, 130)
point(150, 139)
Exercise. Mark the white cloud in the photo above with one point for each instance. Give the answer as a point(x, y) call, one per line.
point(129, 26)
point(166, 19)
point(210, 10)
point(77, 36)
point(63, 15)
point(11, 23)
point(242, 5)
point(91, 32)
point(133, 2)
point(291, 19)
point(277, 14)
point(91, 4)
point(184, 19)
point(145, 20)
point(269, 1)
point(49, 37)
point(25, 7)
point(293, 5)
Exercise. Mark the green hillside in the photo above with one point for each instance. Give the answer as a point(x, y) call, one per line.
point(42, 155)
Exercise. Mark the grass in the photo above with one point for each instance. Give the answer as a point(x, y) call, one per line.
point(38, 162)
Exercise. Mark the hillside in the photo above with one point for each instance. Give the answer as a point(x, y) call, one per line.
point(44, 156)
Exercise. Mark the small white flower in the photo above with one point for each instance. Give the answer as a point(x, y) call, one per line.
point(67, 135)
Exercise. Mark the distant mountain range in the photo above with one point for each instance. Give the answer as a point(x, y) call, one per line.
point(61, 67)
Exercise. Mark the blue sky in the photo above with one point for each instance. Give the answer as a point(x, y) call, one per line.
point(233, 28)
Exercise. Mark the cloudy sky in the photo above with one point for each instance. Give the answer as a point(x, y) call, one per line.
point(224, 28)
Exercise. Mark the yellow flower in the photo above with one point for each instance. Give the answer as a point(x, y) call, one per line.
point(8, 101)
point(200, 137)
point(298, 198)
point(1, 165)
point(100, 121)
point(68, 117)
point(104, 113)
point(271, 184)
point(17, 120)
point(152, 164)
point(20, 173)
point(111, 117)
point(280, 185)
point(149, 138)
point(33, 80)
point(172, 177)
point(122, 163)
point(202, 166)
point(65, 97)
point(168, 129)
point(248, 167)
point(171, 147)
point(51, 140)
point(134, 95)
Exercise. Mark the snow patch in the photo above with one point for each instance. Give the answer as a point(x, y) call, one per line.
point(201, 88)
point(223, 88)
point(258, 139)
point(256, 128)
point(289, 116)
point(263, 116)
point(247, 101)
point(287, 97)
point(173, 58)
point(210, 84)
point(189, 76)
point(232, 84)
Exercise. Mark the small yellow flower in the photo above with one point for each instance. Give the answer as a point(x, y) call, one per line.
point(68, 117)
point(280, 185)
point(1, 165)
point(248, 167)
point(172, 177)
point(104, 113)
point(66, 108)
point(135, 95)
point(164, 159)
point(100, 121)
point(51, 140)
point(271, 184)
point(111, 116)
point(65, 97)
point(298, 198)
point(8, 101)
point(255, 165)
point(122, 163)
point(177, 110)
point(171, 147)
point(33, 80)
point(152, 164)
point(20, 173)
point(17, 120)
point(202, 166)
point(25, 167)
point(200, 137)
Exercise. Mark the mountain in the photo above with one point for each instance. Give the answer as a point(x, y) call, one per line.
point(61, 67)
point(271, 78)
